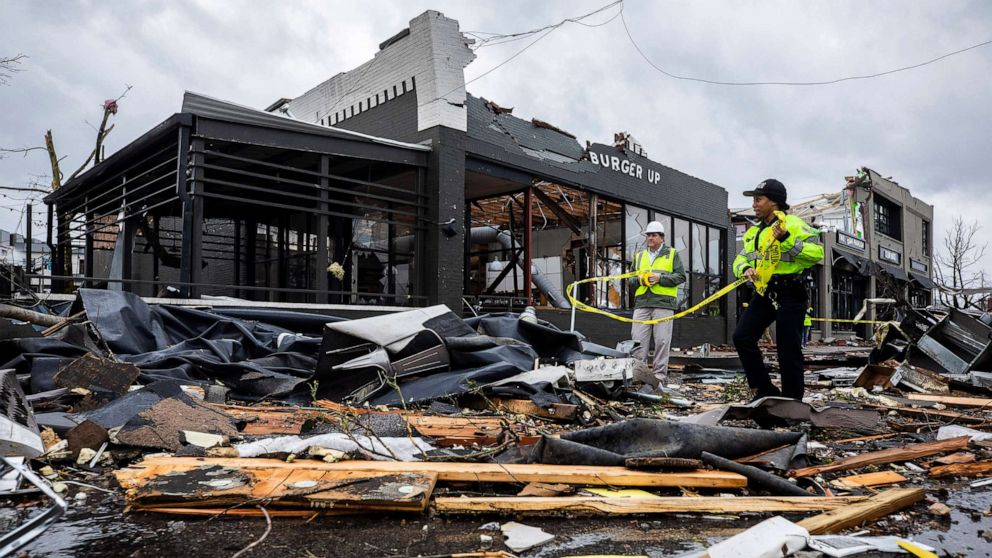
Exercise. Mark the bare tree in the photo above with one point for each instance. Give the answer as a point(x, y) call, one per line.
point(8, 67)
point(955, 267)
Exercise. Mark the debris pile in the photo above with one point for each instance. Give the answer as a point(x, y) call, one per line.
point(265, 413)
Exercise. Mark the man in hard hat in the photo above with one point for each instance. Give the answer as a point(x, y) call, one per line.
point(656, 296)
point(785, 300)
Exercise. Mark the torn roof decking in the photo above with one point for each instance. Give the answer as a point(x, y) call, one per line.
point(519, 151)
point(215, 119)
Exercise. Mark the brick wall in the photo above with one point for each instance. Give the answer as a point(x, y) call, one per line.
point(429, 60)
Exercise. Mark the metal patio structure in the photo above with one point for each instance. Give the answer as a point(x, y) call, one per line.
point(226, 200)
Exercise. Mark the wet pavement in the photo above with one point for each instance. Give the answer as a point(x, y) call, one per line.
point(104, 530)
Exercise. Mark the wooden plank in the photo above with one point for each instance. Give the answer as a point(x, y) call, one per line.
point(597, 505)
point(474, 472)
point(976, 469)
point(887, 502)
point(880, 478)
point(212, 485)
point(557, 411)
point(951, 400)
point(905, 453)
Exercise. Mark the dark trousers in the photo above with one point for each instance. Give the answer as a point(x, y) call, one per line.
point(790, 294)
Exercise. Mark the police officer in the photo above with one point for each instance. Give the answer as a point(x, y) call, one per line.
point(656, 296)
point(785, 300)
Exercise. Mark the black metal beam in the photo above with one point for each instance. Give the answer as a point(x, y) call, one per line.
point(286, 139)
point(192, 253)
point(559, 211)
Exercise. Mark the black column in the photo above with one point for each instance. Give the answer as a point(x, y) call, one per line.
point(192, 252)
point(445, 189)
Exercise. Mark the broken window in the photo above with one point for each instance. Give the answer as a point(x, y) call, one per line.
point(559, 250)
point(848, 294)
point(609, 252)
point(888, 218)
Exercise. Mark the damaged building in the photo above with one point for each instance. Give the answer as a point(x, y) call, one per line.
point(390, 186)
point(878, 242)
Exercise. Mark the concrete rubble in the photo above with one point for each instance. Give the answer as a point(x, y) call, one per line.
point(436, 418)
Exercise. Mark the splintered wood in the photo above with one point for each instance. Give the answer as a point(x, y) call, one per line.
point(597, 505)
point(883, 504)
point(167, 484)
point(882, 457)
point(445, 431)
point(881, 478)
point(978, 469)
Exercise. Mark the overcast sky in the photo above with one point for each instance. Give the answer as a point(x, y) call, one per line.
point(929, 128)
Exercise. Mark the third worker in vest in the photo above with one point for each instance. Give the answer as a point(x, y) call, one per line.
point(656, 296)
point(785, 300)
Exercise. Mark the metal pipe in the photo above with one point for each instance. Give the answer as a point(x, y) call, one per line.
point(487, 234)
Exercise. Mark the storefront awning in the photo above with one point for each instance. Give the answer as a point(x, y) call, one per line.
point(897, 272)
point(922, 280)
point(861, 264)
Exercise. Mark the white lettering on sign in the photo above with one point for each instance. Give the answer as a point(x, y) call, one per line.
point(625, 166)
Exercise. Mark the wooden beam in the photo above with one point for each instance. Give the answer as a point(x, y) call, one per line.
point(906, 453)
point(950, 400)
point(678, 504)
point(887, 502)
point(217, 486)
point(477, 472)
point(977, 469)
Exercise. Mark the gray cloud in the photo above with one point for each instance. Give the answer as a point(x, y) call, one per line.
point(928, 128)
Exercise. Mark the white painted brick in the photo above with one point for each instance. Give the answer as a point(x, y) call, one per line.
point(435, 53)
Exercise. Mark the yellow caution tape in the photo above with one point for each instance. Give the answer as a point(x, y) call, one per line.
point(579, 305)
point(770, 254)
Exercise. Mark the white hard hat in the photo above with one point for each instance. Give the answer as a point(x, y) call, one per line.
point(654, 227)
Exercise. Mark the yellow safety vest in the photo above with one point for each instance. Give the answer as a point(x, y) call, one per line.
point(662, 263)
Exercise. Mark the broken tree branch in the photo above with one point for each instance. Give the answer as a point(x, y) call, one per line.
point(25, 315)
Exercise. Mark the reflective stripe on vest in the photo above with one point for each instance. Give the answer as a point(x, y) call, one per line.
point(661, 263)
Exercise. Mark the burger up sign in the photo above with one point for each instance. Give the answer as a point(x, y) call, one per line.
point(624, 165)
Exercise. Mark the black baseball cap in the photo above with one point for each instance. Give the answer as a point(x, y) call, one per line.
point(773, 190)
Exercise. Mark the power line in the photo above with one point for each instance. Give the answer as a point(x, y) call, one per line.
point(498, 38)
point(21, 189)
point(804, 83)
point(548, 29)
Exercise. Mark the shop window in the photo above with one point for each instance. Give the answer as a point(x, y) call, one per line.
point(888, 218)
point(680, 241)
point(847, 294)
point(919, 298)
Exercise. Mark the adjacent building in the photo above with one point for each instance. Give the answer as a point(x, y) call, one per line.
point(878, 243)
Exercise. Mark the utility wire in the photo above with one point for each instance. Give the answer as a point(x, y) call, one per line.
point(547, 30)
point(801, 83)
point(493, 39)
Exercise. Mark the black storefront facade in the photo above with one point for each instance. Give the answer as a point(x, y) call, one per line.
point(380, 204)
